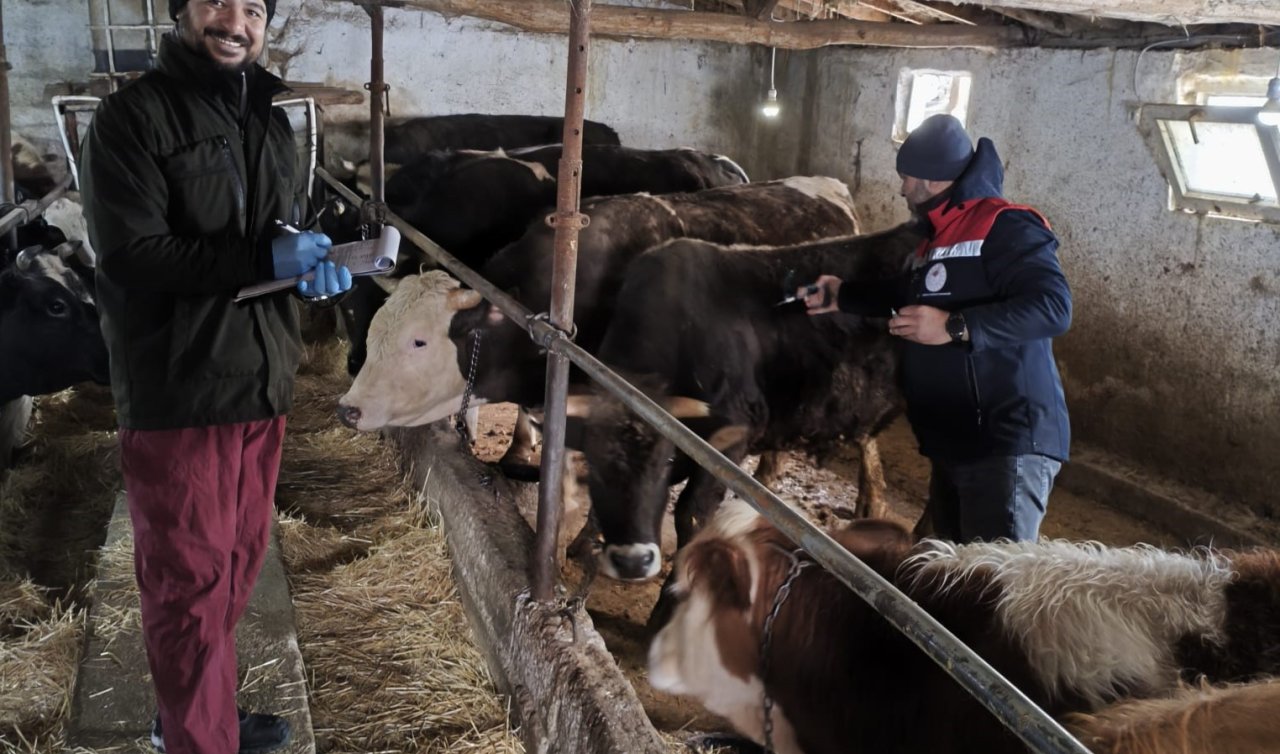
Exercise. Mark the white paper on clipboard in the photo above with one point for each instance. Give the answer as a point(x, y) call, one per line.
point(377, 256)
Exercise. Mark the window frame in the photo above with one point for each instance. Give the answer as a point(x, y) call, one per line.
point(1202, 203)
point(905, 88)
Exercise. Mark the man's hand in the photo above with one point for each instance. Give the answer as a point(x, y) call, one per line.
point(823, 299)
point(330, 281)
point(926, 325)
point(295, 254)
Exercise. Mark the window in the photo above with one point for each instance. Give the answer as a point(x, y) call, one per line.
point(1217, 159)
point(922, 93)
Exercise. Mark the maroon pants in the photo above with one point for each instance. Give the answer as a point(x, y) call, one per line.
point(201, 502)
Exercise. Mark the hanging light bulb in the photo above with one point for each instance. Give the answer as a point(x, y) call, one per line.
point(771, 107)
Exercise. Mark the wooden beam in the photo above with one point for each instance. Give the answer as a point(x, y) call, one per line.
point(550, 16)
point(1164, 12)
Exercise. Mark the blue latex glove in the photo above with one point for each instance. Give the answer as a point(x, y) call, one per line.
point(295, 254)
point(330, 280)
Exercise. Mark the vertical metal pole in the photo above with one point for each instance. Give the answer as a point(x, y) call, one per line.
point(568, 221)
point(6, 142)
point(377, 90)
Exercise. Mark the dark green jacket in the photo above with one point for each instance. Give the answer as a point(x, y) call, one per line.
point(181, 193)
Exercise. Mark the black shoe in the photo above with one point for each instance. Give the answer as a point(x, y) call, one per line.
point(259, 733)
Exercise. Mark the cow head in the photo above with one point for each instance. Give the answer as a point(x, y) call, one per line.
point(412, 375)
point(724, 586)
point(49, 332)
point(630, 467)
point(709, 649)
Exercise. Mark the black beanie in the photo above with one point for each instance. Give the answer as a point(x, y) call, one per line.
point(938, 150)
point(176, 5)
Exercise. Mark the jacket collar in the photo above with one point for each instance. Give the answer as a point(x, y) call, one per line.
point(982, 179)
point(176, 61)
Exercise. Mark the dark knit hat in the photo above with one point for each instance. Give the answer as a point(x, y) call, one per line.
point(176, 5)
point(938, 150)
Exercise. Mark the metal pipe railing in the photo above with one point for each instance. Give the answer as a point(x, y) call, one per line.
point(7, 191)
point(64, 109)
point(1018, 713)
point(377, 121)
point(32, 208)
point(564, 272)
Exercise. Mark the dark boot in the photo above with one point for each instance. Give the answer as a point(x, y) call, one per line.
point(259, 733)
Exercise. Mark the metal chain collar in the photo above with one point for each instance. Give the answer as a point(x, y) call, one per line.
point(460, 420)
point(766, 640)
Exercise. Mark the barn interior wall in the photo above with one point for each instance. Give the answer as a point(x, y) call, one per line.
point(1173, 357)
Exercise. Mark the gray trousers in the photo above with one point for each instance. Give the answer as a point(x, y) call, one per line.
point(1002, 496)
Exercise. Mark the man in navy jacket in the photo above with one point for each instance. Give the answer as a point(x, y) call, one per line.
point(976, 311)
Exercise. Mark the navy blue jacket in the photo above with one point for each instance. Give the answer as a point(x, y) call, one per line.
point(1000, 393)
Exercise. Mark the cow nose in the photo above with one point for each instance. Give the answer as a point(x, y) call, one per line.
point(633, 561)
point(349, 415)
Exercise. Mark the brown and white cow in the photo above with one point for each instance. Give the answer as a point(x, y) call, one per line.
point(420, 342)
point(1232, 719)
point(1074, 626)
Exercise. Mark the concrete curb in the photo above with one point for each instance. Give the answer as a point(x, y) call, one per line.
point(566, 688)
point(1182, 511)
point(113, 703)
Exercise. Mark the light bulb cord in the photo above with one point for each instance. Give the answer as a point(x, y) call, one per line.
point(773, 61)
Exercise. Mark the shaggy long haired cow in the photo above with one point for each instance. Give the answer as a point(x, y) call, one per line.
point(1075, 626)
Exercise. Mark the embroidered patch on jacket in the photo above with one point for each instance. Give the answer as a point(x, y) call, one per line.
point(962, 249)
point(936, 277)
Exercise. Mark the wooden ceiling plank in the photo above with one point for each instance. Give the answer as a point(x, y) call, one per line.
point(893, 12)
point(934, 11)
point(619, 21)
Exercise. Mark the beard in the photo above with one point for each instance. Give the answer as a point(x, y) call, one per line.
point(200, 42)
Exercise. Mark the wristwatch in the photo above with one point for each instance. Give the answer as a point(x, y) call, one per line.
point(956, 327)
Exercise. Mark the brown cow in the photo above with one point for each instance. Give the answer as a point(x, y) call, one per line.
point(1075, 626)
point(1235, 719)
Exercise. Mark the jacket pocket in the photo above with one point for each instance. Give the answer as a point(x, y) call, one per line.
point(206, 189)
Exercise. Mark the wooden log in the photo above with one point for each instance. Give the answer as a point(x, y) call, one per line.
point(551, 16)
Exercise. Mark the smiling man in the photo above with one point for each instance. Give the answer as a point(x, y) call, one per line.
point(188, 175)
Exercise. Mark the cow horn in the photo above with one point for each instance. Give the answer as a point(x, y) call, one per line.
point(86, 255)
point(386, 282)
point(26, 257)
point(580, 406)
point(686, 408)
point(463, 298)
point(727, 437)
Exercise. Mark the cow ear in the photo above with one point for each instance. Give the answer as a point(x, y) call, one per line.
point(722, 569)
point(462, 298)
point(725, 438)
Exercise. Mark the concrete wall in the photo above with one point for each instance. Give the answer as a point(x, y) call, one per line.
point(1173, 357)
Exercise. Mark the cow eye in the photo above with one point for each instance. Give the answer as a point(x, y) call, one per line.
point(57, 308)
point(419, 343)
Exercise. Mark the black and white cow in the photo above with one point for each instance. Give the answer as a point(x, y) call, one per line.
point(703, 320)
point(475, 203)
point(420, 343)
point(49, 333)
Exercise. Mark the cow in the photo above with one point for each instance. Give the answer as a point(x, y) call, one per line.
point(1231, 719)
point(475, 203)
point(407, 140)
point(49, 334)
point(414, 137)
point(422, 341)
point(703, 319)
point(1074, 626)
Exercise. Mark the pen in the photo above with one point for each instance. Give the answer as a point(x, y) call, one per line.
point(286, 226)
